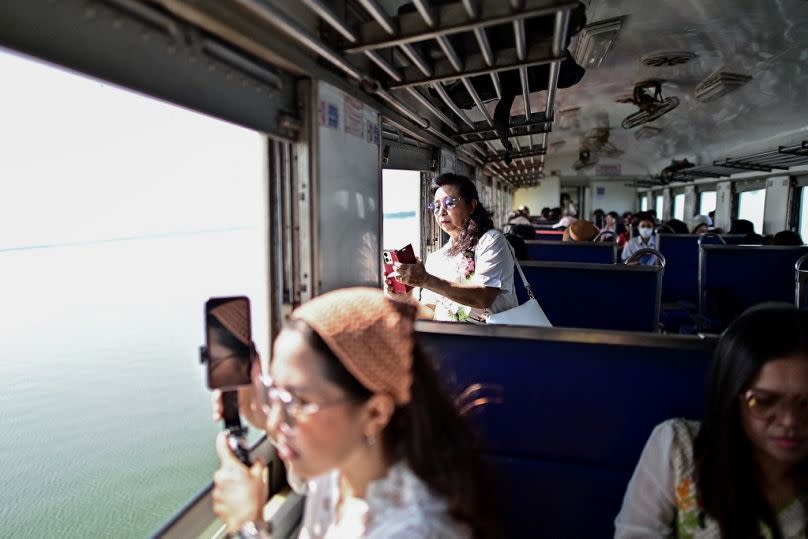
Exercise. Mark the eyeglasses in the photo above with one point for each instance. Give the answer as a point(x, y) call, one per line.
point(767, 404)
point(294, 408)
point(449, 203)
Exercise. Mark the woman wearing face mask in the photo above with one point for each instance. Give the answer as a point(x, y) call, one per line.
point(471, 276)
point(355, 409)
point(644, 240)
point(742, 472)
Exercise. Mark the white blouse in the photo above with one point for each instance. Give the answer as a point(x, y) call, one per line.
point(661, 498)
point(397, 506)
point(635, 244)
point(491, 265)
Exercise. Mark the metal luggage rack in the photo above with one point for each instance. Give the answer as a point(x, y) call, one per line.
point(384, 38)
point(783, 158)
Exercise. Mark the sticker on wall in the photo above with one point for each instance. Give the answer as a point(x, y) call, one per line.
point(329, 114)
point(354, 113)
point(600, 192)
point(372, 132)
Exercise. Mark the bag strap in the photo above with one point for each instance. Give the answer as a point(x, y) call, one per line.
point(521, 273)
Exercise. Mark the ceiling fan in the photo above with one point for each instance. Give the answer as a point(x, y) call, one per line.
point(651, 105)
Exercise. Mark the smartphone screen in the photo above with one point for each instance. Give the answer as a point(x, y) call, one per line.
point(228, 337)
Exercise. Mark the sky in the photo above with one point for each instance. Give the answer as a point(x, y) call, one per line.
point(83, 160)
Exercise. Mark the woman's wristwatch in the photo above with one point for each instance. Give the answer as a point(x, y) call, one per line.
point(252, 531)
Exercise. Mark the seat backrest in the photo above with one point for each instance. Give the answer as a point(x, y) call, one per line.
point(549, 235)
point(577, 409)
point(736, 277)
point(599, 296)
point(570, 251)
point(681, 252)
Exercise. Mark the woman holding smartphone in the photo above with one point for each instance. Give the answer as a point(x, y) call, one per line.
point(356, 411)
point(472, 275)
point(742, 471)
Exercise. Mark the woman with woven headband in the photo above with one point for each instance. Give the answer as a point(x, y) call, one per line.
point(355, 409)
point(472, 275)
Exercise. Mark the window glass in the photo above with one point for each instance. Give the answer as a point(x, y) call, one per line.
point(706, 202)
point(679, 206)
point(804, 212)
point(659, 205)
point(644, 203)
point(401, 194)
point(120, 214)
point(751, 205)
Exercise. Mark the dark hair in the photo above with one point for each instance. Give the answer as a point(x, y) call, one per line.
point(787, 237)
point(728, 489)
point(429, 434)
point(480, 220)
point(742, 226)
point(677, 226)
point(614, 215)
point(545, 212)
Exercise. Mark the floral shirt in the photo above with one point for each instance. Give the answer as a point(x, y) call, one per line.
point(489, 264)
point(397, 506)
point(661, 497)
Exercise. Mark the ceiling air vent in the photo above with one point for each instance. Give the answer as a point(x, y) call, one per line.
point(719, 84)
point(667, 58)
point(596, 40)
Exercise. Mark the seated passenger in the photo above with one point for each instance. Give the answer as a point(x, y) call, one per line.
point(352, 405)
point(472, 275)
point(644, 240)
point(700, 224)
point(787, 237)
point(742, 226)
point(519, 225)
point(580, 231)
point(741, 472)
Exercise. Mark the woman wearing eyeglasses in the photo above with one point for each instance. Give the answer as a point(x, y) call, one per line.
point(471, 276)
point(742, 471)
point(354, 407)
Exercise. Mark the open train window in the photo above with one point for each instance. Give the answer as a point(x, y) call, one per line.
point(751, 206)
point(644, 203)
point(121, 214)
point(803, 223)
point(401, 203)
point(679, 206)
point(707, 201)
point(659, 205)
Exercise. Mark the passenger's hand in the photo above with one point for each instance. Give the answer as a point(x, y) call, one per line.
point(247, 406)
point(411, 274)
point(239, 493)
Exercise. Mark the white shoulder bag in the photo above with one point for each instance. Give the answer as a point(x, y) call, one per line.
point(529, 313)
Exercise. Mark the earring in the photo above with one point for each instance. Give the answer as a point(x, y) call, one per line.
point(370, 440)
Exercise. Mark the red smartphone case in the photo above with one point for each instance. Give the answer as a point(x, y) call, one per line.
point(406, 255)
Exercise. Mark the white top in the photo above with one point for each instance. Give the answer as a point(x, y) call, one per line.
point(661, 499)
point(492, 265)
point(635, 244)
point(398, 506)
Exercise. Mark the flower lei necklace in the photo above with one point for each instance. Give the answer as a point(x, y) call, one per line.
point(466, 265)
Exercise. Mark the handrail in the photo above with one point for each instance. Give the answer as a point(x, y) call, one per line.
point(602, 234)
point(635, 258)
point(800, 277)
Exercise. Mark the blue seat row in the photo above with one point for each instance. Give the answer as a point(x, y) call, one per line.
point(736, 277)
point(598, 296)
point(577, 408)
point(587, 252)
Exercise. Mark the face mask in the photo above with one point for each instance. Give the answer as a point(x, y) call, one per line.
point(646, 232)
